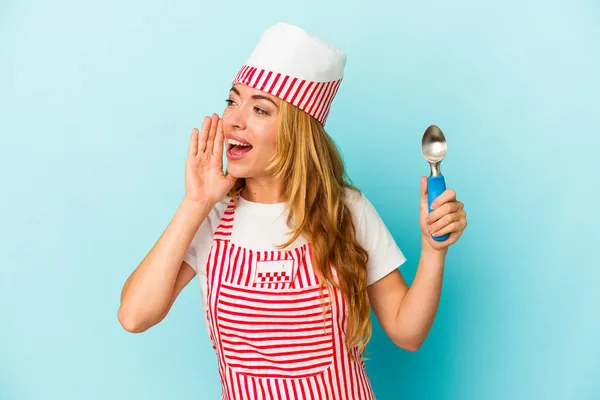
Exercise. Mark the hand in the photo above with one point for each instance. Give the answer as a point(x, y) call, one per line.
point(447, 216)
point(204, 177)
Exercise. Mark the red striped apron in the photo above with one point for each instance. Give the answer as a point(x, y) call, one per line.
point(273, 338)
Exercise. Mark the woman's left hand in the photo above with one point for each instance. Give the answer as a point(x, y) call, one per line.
point(447, 216)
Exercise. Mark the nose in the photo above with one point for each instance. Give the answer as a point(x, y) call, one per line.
point(235, 118)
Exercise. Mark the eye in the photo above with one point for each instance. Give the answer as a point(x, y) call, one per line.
point(229, 102)
point(260, 111)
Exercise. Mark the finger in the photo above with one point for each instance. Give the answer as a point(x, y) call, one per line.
point(450, 241)
point(203, 135)
point(212, 133)
point(444, 209)
point(447, 196)
point(217, 149)
point(454, 227)
point(193, 150)
point(216, 156)
point(444, 221)
point(424, 206)
point(423, 186)
point(443, 244)
point(231, 179)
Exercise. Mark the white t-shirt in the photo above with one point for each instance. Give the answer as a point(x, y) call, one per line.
point(261, 227)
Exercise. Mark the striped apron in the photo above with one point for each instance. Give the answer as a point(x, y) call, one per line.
point(273, 338)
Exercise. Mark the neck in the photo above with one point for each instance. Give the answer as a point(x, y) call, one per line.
point(263, 190)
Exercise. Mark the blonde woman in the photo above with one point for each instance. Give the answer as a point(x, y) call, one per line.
point(290, 257)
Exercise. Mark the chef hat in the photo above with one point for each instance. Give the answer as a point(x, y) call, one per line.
point(297, 67)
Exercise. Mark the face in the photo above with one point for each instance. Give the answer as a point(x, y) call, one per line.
point(250, 123)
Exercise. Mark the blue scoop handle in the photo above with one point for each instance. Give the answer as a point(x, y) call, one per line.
point(436, 185)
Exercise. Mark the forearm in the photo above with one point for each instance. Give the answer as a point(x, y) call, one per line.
point(418, 307)
point(149, 290)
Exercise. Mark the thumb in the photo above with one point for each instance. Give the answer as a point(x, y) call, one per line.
point(424, 204)
point(231, 179)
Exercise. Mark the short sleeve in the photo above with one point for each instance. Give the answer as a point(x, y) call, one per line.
point(200, 244)
point(198, 251)
point(384, 254)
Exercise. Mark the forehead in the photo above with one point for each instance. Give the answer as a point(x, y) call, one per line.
point(247, 91)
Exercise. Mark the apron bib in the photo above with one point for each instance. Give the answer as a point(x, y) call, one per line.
point(275, 334)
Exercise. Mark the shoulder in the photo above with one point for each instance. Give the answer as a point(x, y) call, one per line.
point(198, 250)
point(374, 236)
point(359, 205)
point(219, 208)
point(210, 224)
point(367, 220)
point(355, 199)
point(370, 228)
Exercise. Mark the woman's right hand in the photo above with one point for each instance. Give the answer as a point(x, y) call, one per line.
point(205, 181)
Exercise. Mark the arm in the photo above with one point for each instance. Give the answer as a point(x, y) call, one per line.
point(151, 289)
point(406, 315)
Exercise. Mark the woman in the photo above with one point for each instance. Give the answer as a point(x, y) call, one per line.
point(290, 257)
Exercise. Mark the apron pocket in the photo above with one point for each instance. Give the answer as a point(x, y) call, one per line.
point(281, 334)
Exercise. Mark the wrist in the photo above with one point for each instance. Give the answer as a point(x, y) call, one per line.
point(199, 208)
point(430, 251)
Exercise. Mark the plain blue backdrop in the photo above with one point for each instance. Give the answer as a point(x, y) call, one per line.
point(97, 101)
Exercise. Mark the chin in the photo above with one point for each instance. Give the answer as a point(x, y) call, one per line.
point(237, 170)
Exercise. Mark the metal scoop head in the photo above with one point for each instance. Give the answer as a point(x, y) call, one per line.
point(434, 148)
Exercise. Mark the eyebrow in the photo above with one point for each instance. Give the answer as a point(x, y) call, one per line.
point(255, 97)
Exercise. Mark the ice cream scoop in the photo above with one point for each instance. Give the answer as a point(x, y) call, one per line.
point(434, 149)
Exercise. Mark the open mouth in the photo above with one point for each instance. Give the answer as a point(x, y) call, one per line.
point(236, 149)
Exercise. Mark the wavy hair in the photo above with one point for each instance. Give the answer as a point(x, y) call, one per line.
point(309, 161)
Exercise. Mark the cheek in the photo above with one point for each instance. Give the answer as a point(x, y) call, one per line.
point(269, 144)
point(272, 141)
point(267, 139)
point(226, 117)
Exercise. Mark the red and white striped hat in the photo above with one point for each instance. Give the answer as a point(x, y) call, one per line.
point(297, 67)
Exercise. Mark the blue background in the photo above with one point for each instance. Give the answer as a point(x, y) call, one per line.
point(97, 100)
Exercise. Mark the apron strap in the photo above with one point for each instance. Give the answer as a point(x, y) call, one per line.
point(223, 231)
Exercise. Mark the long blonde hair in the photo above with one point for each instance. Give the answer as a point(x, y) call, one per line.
point(318, 211)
